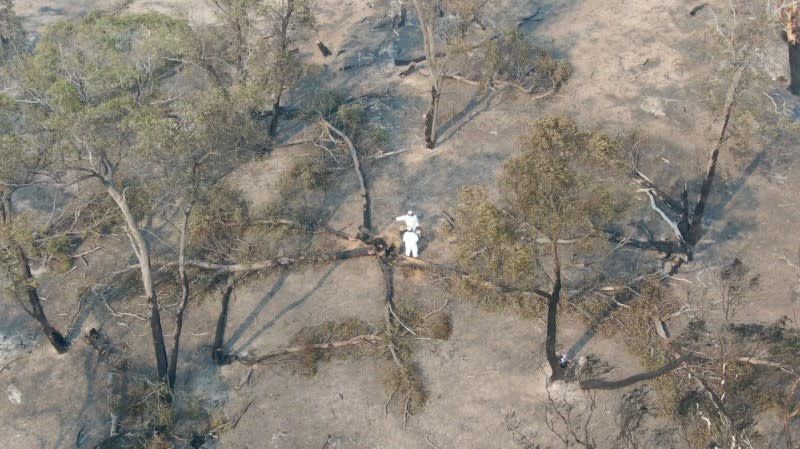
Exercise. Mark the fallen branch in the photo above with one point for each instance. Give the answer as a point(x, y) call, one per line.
point(279, 262)
point(360, 339)
point(359, 172)
point(296, 224)
point(391, 153)
point(671, 223)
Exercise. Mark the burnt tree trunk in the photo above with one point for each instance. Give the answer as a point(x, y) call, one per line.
point(184, 281)
point(794, 68)
point(696, 226)
point(276, 111)
point(142, 252)
point(552, 316)
point(217, 352)
point(430, 119)
point(36, 311)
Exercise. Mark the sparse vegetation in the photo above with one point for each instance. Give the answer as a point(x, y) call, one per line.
point(154, 163)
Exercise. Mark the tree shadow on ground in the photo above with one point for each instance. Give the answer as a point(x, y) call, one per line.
point(253, 315)
point(293, 305)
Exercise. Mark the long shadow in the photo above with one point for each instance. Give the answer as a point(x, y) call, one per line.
point(477, 104)
point(296, 303)
point(90, 365)
point(600, 384)
point(724, 198)
point(251, 317)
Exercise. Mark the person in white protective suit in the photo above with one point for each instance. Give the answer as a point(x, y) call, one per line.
point(410, 239)
point(411, 220)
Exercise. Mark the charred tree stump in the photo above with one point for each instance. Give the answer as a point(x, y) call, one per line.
point(217, 351)
point(323, 49)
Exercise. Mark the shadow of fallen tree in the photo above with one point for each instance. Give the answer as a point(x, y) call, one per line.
point(602, 384)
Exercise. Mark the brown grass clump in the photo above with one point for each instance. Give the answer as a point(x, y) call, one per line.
point(327, 332)
point(159, 442)
point(405, 387)
point(435, 325)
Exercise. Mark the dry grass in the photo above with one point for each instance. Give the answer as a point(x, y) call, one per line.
point(325, 333)
point(405, 387)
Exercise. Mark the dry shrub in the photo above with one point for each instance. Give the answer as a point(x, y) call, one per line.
point(405, 385)
point(159, 442)
point(307, 173)
point(148, 407)
point(327, 332)
point(557, 70)
point(435, 325)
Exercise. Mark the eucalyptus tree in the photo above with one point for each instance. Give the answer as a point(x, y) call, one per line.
point(114, 98)
point(22, 157)
point(557, 191)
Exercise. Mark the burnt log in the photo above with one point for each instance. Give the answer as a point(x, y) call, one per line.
point(323, 49)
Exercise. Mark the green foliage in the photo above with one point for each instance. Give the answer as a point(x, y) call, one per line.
point(557, 70)
point(381, 135)
point(324, 103)
point(12, 35)
point(107, 55)
point(557, 187)
point(58, 249)
point(511, 57)
point(350, 118)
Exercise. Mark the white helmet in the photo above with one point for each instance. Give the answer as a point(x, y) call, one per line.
point(411, 212)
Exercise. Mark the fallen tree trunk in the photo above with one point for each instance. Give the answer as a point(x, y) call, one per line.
point(296, 224)
point(360, 339)
point(280, 261)
point(359, 172)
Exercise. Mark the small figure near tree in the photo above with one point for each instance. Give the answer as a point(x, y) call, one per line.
point(411, 220)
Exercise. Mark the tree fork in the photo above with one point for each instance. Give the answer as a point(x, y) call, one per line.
point(142, 252)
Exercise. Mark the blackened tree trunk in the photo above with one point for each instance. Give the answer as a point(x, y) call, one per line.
point(794, 68)
point(142, 251)
point(184, 280)
point(552, 316)
point(217, 352)
point(36, 311)
point(430, 119)
point(790, 18)
point(276, 110)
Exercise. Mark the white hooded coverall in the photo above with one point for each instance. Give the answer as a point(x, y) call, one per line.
point(412, 222)
point(410, 240)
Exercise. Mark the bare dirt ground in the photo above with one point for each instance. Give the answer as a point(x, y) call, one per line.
point(637, 65)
